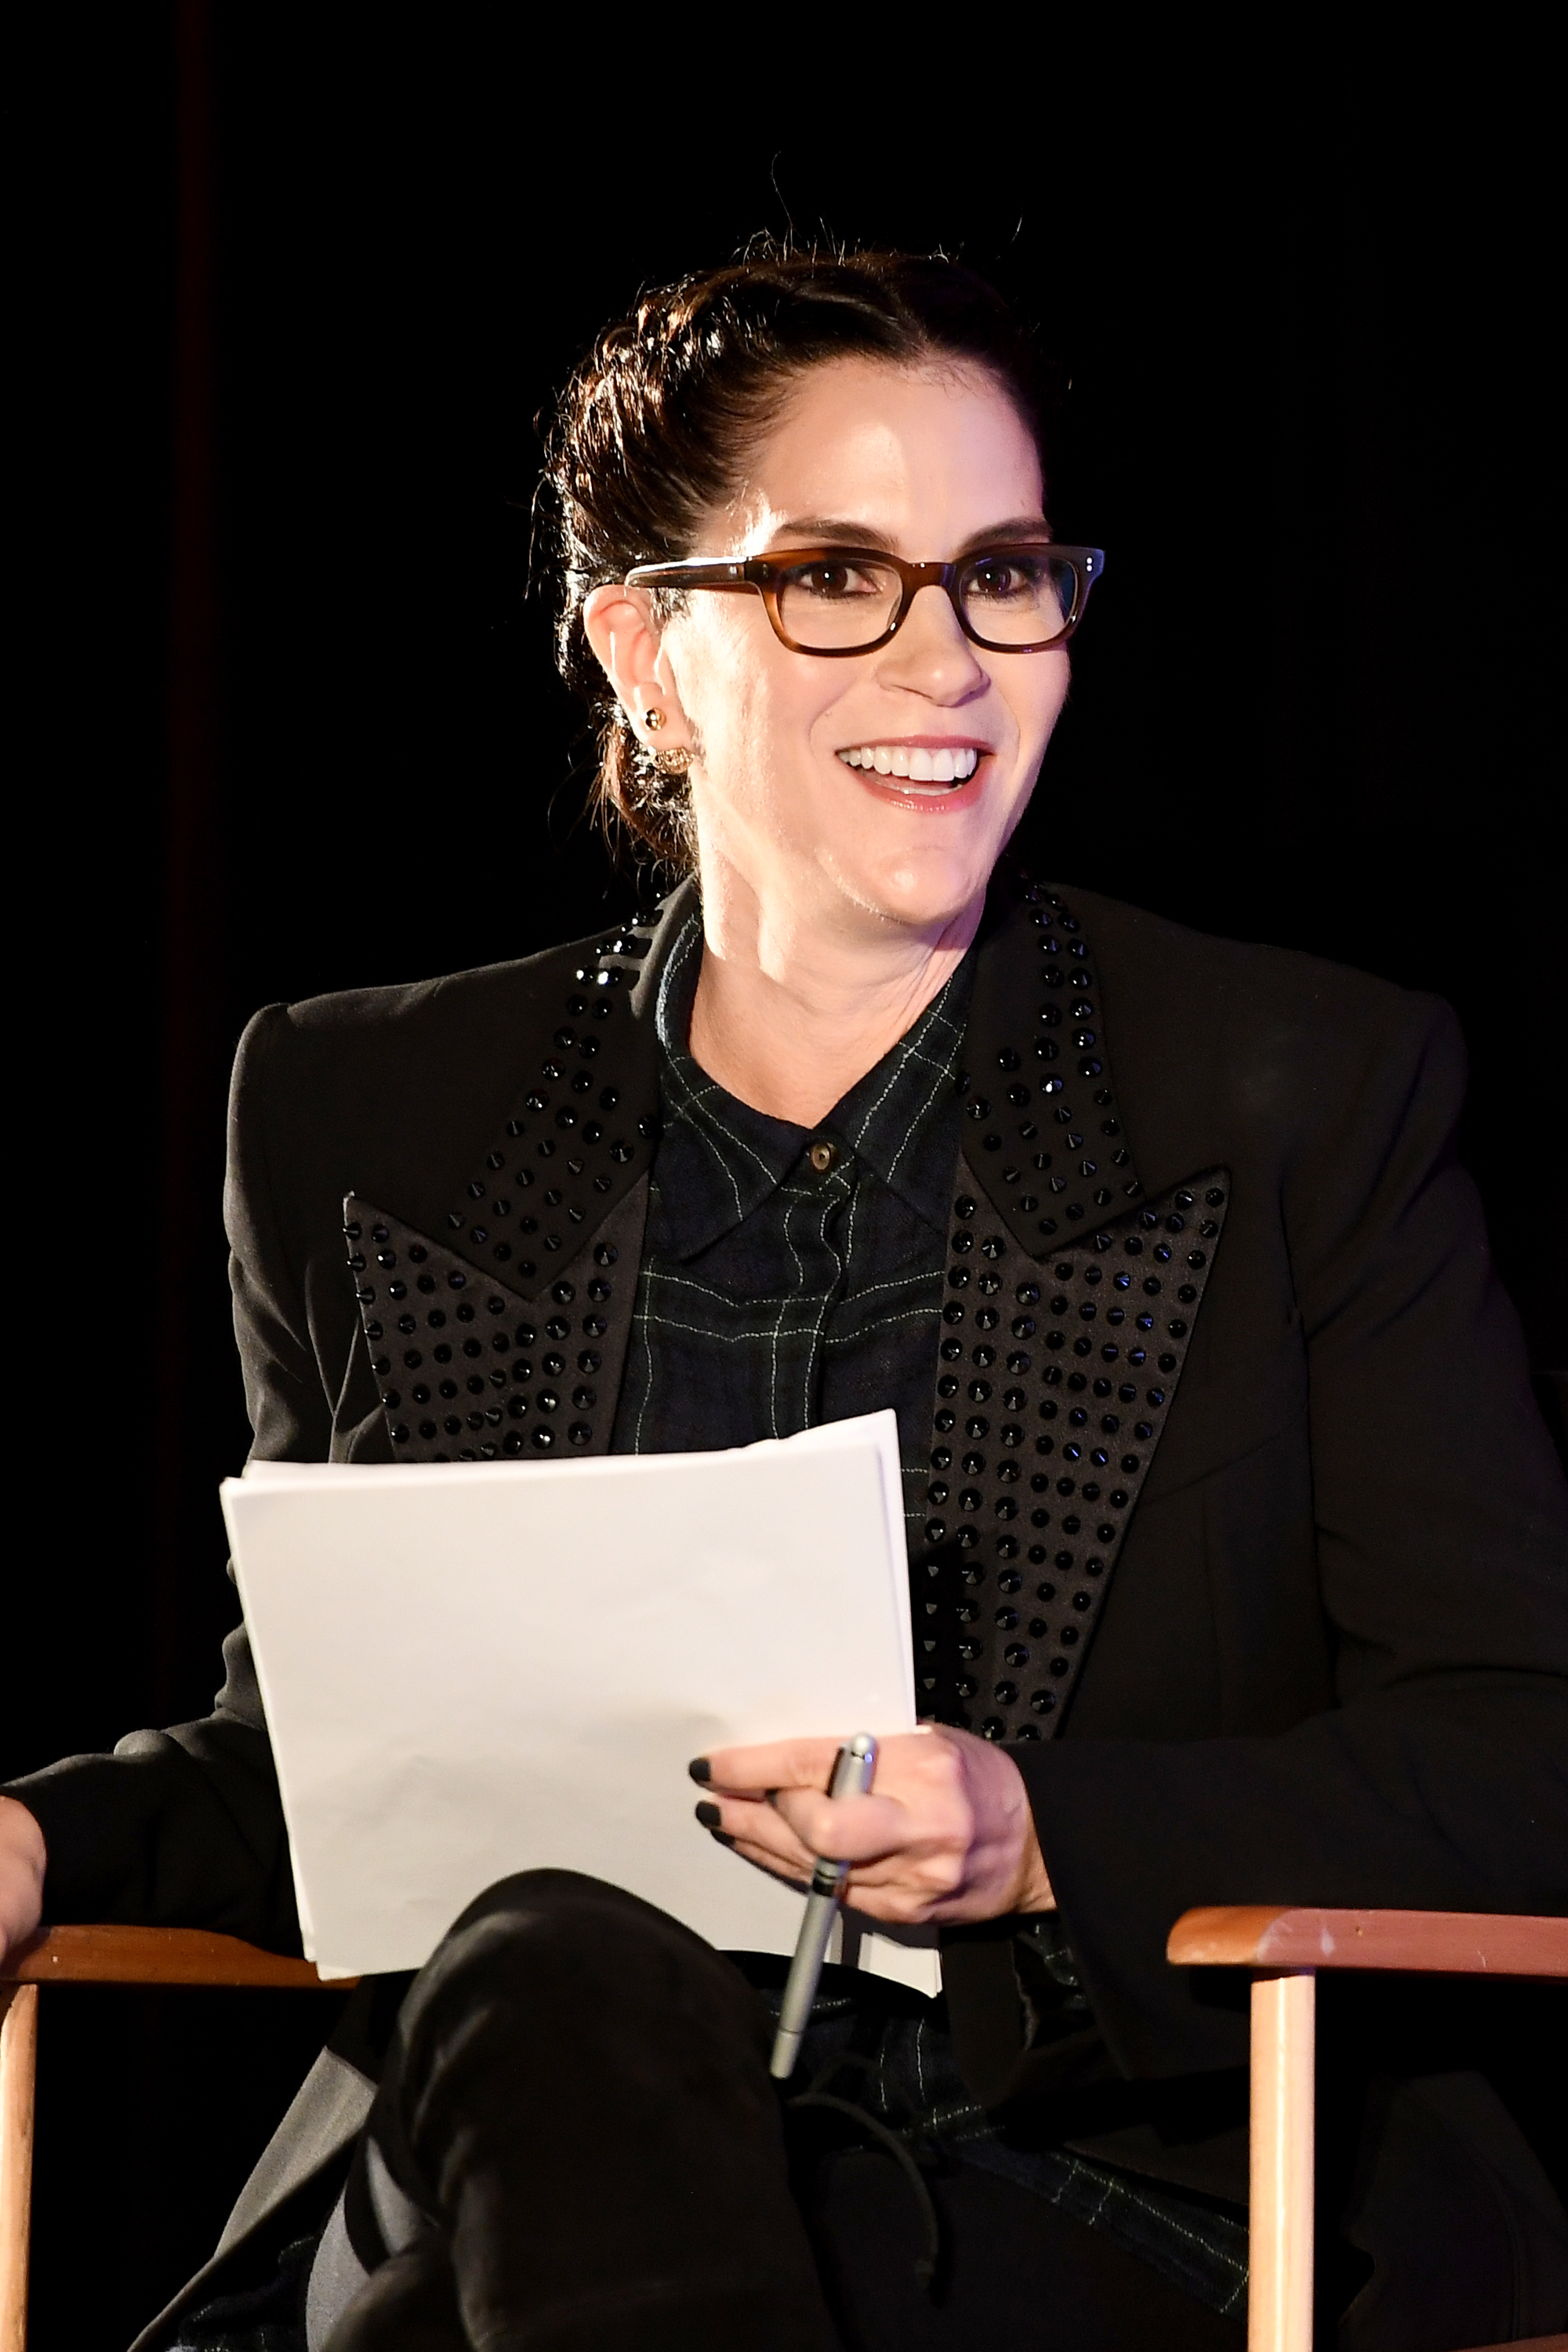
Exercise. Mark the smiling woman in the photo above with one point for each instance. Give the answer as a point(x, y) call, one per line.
point(836, 905)
point(1213, 1425)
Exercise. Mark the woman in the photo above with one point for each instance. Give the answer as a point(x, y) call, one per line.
point(1215, 1428)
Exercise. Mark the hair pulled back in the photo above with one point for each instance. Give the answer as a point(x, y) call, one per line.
point(655, 427)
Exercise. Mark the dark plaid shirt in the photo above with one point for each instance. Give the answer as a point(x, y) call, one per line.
point(775, 1293)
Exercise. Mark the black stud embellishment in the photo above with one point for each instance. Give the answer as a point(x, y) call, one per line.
point(594, 1187)
point(1028, 1683)
point(495, 1320)
point(604, 1158)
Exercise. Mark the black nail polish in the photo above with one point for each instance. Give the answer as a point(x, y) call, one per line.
point(701, 1770)
point(709, 1816)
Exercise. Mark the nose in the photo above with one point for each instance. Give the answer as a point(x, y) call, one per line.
point(930, 656)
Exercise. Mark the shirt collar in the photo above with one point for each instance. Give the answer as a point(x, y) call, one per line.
point(719, 1160)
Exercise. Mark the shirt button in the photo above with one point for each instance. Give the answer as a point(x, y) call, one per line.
point(821, 1156)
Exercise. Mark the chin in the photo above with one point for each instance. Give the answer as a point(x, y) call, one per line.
point(923, 890)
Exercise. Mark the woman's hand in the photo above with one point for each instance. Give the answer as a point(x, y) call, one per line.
point(22, 1862)
point(945, 1833)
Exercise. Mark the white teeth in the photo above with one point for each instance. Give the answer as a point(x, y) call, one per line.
point(919, 766)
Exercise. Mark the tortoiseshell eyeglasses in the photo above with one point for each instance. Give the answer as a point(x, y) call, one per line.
point(1013, 599)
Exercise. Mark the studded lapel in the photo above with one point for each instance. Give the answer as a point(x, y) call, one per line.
point(508, 1335)
point(469, 1369)
point(1069, 1298)
point(1068, 1304)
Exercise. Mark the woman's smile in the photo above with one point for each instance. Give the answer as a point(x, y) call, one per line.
point(932, 765)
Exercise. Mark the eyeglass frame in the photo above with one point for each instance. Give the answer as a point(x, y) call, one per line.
point(761, 573)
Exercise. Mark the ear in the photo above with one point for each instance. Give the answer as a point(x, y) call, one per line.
point(628, 644)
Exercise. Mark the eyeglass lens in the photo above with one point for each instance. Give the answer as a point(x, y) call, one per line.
point(1017, 597)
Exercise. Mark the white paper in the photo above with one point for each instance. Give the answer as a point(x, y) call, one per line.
point(475, 1669)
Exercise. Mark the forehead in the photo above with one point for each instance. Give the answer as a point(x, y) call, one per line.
point(921, 457)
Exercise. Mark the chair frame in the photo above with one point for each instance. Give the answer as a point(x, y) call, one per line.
point(101, 1956)
point(1285, 1948)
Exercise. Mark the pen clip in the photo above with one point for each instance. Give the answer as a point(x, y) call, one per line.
point(854, 1766)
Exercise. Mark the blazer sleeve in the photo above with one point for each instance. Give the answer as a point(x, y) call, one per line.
point(1439, 1779)
point(183, 1827)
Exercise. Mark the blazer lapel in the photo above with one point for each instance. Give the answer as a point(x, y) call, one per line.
point(471, 1370)
point(507, 1334)
point(1069, 1307)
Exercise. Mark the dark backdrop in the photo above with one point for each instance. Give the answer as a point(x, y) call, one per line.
point(303, 287)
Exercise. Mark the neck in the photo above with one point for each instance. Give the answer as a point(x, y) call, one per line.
point(789, 1014)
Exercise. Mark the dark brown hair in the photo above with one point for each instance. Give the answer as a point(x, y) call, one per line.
point(654, 428)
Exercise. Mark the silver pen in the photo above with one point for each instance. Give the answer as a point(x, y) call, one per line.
point(852, 1770)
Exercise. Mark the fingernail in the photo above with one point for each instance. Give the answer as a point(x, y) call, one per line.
point(701, 1770)
point(709, 1816)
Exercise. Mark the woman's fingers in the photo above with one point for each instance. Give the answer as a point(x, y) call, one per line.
point(905, 1840)
point(945, 1832)
point(798, 1826)
point(873, 1892)
point(807, 1764)
point(780, 1764)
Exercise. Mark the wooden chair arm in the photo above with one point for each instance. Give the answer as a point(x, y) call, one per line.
point(1286, 1948)
point(1448, 1943)
point(128, 1956)
point(158, 1955)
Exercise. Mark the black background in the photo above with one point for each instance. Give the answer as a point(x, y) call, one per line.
point(299, 290)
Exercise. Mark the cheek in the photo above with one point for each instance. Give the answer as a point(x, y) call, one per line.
point(1034, 705)
point(725, 678)
point(1039, 703)
point(756, 707)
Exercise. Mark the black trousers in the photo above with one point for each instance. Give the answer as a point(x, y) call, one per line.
point(579, 2146)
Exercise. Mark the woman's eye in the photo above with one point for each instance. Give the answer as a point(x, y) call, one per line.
point(835, 581)
point(1002, 578)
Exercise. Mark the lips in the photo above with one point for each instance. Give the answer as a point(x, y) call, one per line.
point(919, 763)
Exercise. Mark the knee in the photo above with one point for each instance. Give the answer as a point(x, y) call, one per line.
point(547, 1906)
point(551, 1950)
point(556, 1994)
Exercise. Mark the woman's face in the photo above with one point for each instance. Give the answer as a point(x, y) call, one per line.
point(928, 464)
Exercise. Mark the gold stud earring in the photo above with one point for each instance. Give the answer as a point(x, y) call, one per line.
point(653, 718)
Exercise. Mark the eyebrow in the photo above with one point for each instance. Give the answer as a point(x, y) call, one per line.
point(808, 530)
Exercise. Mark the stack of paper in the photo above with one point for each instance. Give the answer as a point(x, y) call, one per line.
point(472, 1670)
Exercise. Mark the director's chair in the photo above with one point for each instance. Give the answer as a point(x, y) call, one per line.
point(1284, 1948)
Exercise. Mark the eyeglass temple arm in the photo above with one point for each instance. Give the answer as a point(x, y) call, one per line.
point(689, 575)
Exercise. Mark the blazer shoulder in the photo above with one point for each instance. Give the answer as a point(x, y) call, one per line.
point(405, 1030)
point(399, 1086)
point(1231, 1049)
point(450, 1000)
point(1162, 971)
point(1156, 947)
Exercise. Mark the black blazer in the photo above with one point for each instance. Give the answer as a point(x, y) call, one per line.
point(1319, 1650)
